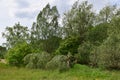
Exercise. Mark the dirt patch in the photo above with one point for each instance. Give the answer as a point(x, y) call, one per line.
point(3, 61)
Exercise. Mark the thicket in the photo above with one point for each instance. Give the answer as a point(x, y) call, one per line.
point(91, 38)
point(16, 54)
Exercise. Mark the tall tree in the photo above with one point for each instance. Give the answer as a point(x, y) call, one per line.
point(46, 31)
point(78, 19)
point(15, 34)
point(107, 13)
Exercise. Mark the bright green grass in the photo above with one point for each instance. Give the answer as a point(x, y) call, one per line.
point(79, 72)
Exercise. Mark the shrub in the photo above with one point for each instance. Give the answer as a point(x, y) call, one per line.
point(16, 54)
point(58, 62)
point(69, 45)
point(109, 53)
point(94, 57)
point(37, 60)
point(83, 55)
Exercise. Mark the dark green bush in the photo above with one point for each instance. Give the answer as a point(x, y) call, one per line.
point(37, 60)
point(98, 34)
point(16, 54)
point(69, 45)
point(2, 52)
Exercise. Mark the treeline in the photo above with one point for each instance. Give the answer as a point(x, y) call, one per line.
point(85, 37)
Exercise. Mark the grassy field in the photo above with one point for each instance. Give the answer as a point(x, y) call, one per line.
point(79, 72)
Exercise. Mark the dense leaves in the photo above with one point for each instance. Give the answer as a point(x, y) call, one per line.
point(90, 38)
point(77, 21)
point(84, 51)
point(69, 45)
point(45, 33)
point(16, 34)
point(58, 62)
point(16, 54)
point(37, 60)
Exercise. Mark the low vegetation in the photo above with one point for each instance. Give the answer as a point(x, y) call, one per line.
point(78, 72)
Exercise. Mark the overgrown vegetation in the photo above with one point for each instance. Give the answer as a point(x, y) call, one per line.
point(85, 37)
point(78, 72)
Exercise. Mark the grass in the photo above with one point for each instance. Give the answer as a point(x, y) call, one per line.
point(79, 72)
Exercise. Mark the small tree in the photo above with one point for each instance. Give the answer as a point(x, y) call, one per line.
point(16, 34)
point(16, 54)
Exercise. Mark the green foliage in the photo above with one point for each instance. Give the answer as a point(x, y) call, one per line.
point(110, 50)
point(37, 60)
point(94, 56)
point(2, 51)
point(51, 44)
point(58, 62)
point(16, 34)
point(110, 53)
point(107, 13)
point(84, 51)
point(78, 72)
point(98, 34)
point(46, 32)
point(77, 20)
point(69, 45)
point(16, 54)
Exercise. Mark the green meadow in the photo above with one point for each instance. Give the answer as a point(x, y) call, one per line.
point(78, 72)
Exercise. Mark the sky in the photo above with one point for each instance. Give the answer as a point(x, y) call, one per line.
point(25, 11)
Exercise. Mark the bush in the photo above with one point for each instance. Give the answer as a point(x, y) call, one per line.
point(94, 57)
point(83, 55)
point(109, 53)
point(16, 54)
point(36, 60)
point(58, 62)
point(69, 45)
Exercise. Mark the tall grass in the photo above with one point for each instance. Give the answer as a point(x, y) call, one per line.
point(78, 72)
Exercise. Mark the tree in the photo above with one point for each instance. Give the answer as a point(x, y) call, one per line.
point(70, 44)
point(98, 34)
point(15, 34)
point(46, 32)
point(107, 13)
point(109, 52)
point(78, 19)
point(16, 54)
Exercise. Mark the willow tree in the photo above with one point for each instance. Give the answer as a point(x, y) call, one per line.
point(46, 31)
point(77, 20)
